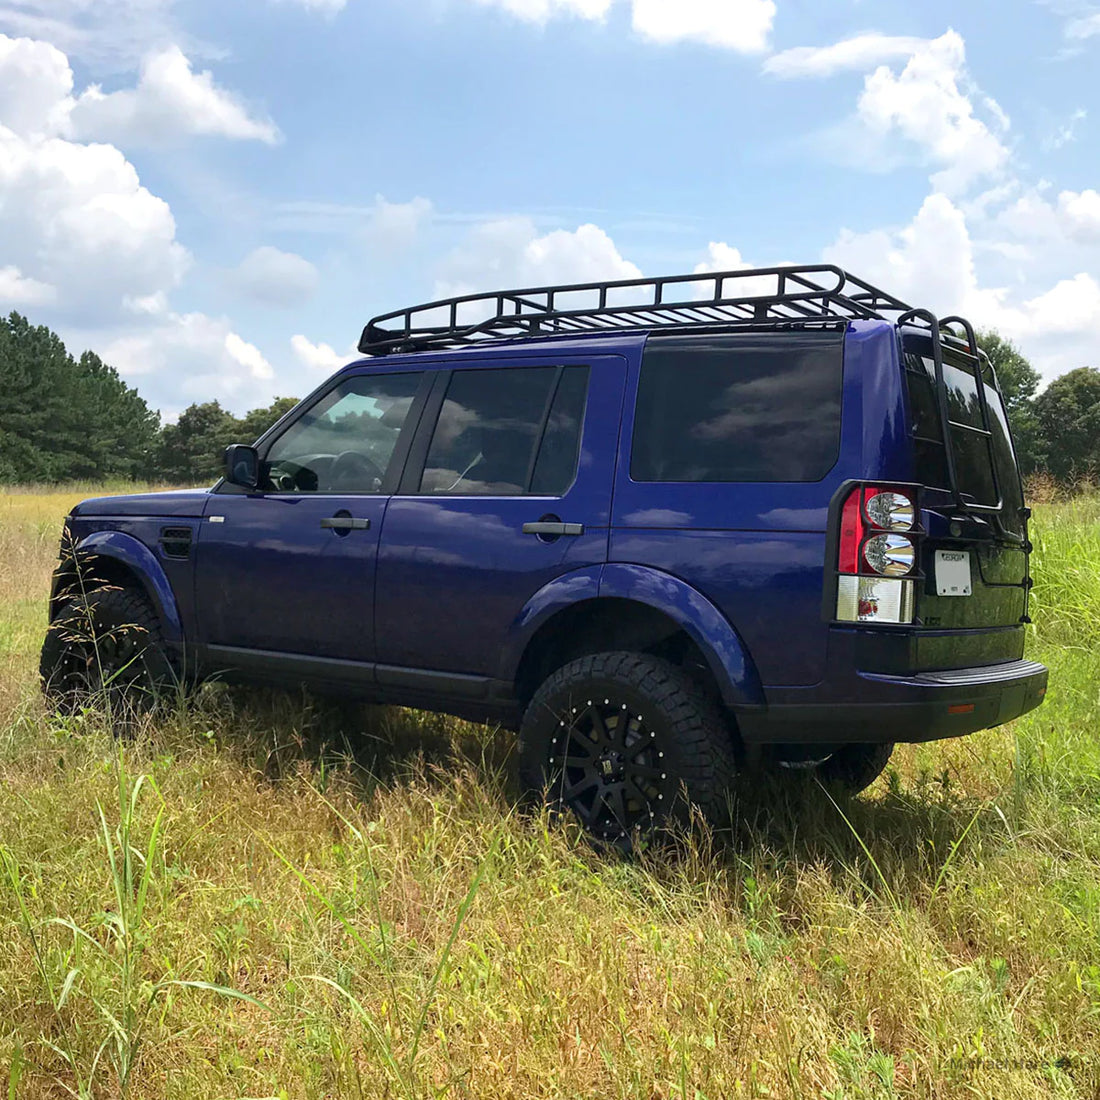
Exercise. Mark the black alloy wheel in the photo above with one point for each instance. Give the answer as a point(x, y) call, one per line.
point(628, 744)
point(607, 765)
point(104, 647)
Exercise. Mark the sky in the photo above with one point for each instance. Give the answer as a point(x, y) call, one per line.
point(216, 195)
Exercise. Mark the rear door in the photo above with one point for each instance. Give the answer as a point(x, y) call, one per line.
point(976, 578)
point(508, 487)
point(289, 568)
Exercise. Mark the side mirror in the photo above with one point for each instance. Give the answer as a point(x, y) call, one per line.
point(242, 465)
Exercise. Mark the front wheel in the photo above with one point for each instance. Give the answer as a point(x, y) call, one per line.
point(105, 647)
point(628, 743)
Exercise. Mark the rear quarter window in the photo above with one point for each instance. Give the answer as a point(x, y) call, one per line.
point(729, 408)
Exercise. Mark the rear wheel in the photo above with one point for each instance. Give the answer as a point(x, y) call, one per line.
point(106, 646)
point(627, 743)
point(852, 768)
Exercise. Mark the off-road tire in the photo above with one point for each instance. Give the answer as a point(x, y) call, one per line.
point(665, 727)
point(108, 647)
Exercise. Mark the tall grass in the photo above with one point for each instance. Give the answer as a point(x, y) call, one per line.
point(1066, 564)
point(277, 896)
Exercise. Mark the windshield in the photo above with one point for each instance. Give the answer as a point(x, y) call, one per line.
point(985, 463)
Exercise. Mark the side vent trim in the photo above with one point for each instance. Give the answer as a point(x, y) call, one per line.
point(175, 542)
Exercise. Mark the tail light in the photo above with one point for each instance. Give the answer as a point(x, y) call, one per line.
point(877, 556)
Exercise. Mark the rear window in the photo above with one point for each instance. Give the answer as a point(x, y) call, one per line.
point(750, 407)
point(508, 431)
point(986, 465)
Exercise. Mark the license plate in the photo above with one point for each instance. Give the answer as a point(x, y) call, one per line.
point(953, 573)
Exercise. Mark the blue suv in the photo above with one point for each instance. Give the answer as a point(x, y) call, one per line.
point(661, 527)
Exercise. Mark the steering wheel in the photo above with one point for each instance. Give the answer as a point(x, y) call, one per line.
point(355, 467)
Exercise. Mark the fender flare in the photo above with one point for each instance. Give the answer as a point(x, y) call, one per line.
point(729, 660)
point(140, 560)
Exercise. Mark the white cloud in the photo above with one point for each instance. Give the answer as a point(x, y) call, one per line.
point(17, 290)
point(1065, 133)
point(1087, 26)
point(721, 257)
point(1080, 212)
point(320, 357)
point(742, 25)
point(35, 87)
point(931, 263)
point(180, 358)
point(248, 356)
point(585, 254)
point(860, 53)
point(76, 217)
point(86, 242)
point(325, 7)
point(925, 105)
point(110, 34)
point(509, 252)
point(276, 278)
point(541, 11)
point(170, 100)
point(384, 225)
point(1049, 235)
point(929, 104)
point(391, 227)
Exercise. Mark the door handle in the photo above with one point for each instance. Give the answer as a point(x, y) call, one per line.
point(553, 530)
point(345, 523)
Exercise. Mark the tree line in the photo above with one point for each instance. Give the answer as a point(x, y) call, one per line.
point(69, 419)
point(63, 418)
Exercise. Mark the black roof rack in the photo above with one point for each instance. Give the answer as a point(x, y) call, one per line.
point(753, 296)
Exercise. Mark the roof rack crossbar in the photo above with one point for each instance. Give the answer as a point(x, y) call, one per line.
point(747, 296)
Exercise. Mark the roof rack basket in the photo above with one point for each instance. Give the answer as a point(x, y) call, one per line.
point(753, 296)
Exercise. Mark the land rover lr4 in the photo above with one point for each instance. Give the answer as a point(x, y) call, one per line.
point(658, 526)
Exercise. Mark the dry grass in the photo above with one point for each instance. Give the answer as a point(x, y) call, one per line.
point(400, 931)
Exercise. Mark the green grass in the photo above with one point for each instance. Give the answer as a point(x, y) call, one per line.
point(267, 896)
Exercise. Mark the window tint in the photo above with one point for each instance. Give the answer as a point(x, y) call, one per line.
point(739, 408)
point(976, 456)
point(556, 466)
point(962, 389)
point(491, 425)
point(345, 443)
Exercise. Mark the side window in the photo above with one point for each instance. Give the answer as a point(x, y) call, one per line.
point(556, 465)
point(508, 431)
point(344, 443)
point(739, 408)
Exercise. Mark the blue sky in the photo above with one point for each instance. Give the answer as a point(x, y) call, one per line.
point(216, 196)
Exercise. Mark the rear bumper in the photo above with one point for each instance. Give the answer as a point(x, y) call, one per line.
point(877, 707)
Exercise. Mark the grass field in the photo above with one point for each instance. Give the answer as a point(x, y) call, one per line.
point(271, 897)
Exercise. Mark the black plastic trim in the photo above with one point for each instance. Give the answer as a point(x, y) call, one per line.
point(450, 684)
point(905, 709)
point(419, 445)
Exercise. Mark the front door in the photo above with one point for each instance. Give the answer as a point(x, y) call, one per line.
point(511, 488)
point(290, 567)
